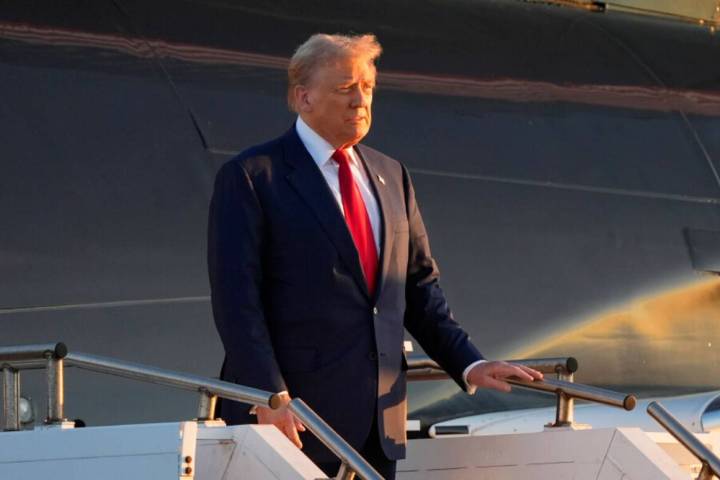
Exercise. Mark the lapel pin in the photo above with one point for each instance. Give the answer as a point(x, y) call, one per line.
point(382, 180)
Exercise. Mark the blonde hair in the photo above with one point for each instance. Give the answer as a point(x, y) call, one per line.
point(322, 49)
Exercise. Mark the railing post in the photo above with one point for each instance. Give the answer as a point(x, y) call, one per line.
point(564, 413)
point(56, 391)
point(206, 409)
point(11, 398)
point(565, 410)
point(345, 473)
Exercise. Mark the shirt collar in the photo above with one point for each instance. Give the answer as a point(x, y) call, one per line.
point(320, 149)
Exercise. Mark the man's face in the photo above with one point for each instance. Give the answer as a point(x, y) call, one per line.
point(337, 102)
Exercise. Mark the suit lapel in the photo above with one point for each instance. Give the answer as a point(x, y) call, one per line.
point(310, 184)
point(375, 173)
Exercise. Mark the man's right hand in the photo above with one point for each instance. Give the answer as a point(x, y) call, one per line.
point(283, 419)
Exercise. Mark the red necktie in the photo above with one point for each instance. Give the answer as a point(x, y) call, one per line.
point(357, 219)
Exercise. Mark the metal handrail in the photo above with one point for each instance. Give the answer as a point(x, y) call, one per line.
point(170, 378)
point(580, 391)
point(328, 436)
point(421, 367)
point(710, 462)
point(31, 353)
point(56, 356)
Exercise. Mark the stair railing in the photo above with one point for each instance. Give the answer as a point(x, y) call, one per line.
point(55, 357)
point(710, 461)
point(421, 367)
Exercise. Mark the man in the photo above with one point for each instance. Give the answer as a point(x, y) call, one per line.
point(318, 259)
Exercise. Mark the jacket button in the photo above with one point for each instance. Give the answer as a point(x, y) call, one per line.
point(372, 356)
point(375, 310)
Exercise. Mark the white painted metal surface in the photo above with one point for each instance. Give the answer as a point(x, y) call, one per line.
point(167, 450)
point(688, 409)
point(251, 452)
point(150, 451)
point(160, 451)
point(602, 454)
point(682, 455)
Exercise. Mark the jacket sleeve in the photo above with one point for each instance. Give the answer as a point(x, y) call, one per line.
point(427, 315)
point(235, 267)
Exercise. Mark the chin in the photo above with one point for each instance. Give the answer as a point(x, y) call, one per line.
point(359, 132)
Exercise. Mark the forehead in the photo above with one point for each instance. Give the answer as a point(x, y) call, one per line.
point(347, 69)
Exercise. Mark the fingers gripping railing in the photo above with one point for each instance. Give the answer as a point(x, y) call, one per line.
point(54, 357)
point(423, 368)
point(710, 462)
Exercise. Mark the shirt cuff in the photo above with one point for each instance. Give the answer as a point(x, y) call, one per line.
point(253, 409)
point(470, 388)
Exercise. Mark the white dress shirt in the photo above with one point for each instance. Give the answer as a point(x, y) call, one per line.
point(471, 388)
point(321, 151)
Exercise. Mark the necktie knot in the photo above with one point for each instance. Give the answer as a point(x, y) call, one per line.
point(341, 156)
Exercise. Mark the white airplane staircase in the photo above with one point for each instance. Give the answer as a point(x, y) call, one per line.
point(206, 449)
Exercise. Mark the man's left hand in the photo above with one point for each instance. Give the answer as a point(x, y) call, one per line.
point(493, 375)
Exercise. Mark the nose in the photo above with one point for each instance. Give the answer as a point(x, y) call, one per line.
point(361, 98)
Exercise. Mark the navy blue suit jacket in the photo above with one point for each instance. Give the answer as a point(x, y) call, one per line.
point(291, 304)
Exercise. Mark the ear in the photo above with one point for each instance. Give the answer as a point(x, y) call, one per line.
point(303, 99)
